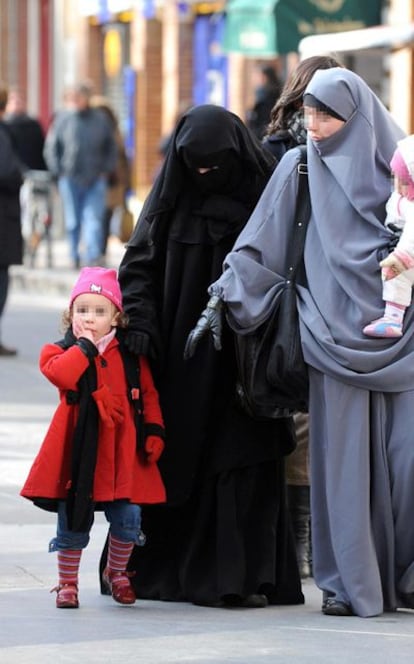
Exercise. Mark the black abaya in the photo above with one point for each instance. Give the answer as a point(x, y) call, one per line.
point(224, 531)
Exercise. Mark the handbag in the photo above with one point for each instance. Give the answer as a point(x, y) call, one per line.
point(273, 376)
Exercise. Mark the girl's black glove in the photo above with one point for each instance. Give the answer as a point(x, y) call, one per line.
point(138, 342)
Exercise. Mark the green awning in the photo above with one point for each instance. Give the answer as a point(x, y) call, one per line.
point(263, 28)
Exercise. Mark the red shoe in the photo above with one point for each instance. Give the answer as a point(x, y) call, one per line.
point(67, 596)
point(119, 586)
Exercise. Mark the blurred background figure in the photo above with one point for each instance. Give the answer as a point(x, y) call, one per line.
point(81, 153)
point(286, 126)
point(11, 241)
point(69, 98)
point(35, 194)
point(68, 104)
point(267, 90)
point(119, 181)
point(26, 131)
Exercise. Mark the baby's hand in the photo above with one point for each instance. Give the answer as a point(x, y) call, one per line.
point(80, 330)
point(391, 267)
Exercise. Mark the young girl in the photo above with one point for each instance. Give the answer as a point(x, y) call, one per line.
point(397, 268)
point(101, 449)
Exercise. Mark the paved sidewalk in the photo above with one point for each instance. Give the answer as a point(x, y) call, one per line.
point(33, 631)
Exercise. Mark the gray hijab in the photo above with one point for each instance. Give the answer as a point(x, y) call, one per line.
point(349, 180)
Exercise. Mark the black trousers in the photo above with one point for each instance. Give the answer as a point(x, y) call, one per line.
point(4, 286)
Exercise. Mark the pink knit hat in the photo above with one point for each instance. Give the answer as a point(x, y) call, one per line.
point(400, 166)
point(100, 281)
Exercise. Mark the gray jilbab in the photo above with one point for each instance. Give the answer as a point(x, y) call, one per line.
point(361, 389)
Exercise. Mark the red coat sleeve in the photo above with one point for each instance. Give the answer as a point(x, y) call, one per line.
point(62, 367)
point(151, 404)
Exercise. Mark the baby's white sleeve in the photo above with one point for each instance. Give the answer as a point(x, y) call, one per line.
point(394, 211)
point(406, 241)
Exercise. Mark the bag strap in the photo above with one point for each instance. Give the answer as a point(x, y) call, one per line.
point(302, 215)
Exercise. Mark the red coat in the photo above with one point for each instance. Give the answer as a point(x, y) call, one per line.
point(119, 472)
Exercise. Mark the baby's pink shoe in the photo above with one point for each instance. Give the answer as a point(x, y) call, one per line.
point(383, 327)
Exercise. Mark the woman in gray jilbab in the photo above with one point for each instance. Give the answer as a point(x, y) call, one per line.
point(361, 390)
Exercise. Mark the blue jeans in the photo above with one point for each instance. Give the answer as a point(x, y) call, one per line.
point(124, 519)
point(83, 209)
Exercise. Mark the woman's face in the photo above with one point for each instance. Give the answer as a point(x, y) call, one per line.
point(319, 124)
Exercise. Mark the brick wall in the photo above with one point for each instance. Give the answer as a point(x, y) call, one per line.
point(13, 33)
point(185, 80)
point(148, 109)
point(92, 67)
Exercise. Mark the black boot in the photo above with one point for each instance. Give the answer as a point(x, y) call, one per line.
point(299, 509)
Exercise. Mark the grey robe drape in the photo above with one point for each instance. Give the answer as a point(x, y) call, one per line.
point(361, 389)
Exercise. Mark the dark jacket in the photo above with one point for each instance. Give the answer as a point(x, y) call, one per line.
point(28, 138)
point(81, 145)
point(292, 135)
point(279, 143)
point(258, 117)
point(11, 241)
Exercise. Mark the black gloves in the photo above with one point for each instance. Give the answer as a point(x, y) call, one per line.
point(87, 347)
point(209, 321)
point(138, 342)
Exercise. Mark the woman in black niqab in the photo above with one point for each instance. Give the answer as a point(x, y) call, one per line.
point(223, 537)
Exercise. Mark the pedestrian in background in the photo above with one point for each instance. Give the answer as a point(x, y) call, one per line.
point(35, 193)
point(286, 130)
point(224, 538)
point(81, 153)
point(105, 438)
point(119, 181)
point(267, 90)
point(286, 127)
point(11, 240)
point(27, 132)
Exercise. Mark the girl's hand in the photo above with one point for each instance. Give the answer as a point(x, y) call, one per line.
point(154, 447)
point(80, 330)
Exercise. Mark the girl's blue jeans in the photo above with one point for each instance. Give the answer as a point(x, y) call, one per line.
point(124, 519)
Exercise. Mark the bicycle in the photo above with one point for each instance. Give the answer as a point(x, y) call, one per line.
point(36, 205)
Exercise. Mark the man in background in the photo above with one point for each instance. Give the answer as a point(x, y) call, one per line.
point(26, 132)
point(81, 153)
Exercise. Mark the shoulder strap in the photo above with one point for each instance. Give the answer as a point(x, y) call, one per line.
point(132, 374)
point(302, 215)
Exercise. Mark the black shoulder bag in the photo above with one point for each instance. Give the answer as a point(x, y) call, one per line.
point(273, 376)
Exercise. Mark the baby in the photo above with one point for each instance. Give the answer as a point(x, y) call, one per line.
point(398, 267)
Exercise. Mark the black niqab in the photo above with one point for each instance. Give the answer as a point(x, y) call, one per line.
point(209, 136)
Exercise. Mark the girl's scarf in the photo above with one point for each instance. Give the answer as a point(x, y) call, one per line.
point(79, 502)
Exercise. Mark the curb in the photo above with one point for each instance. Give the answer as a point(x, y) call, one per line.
point(59, 278)
point(41, 281)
